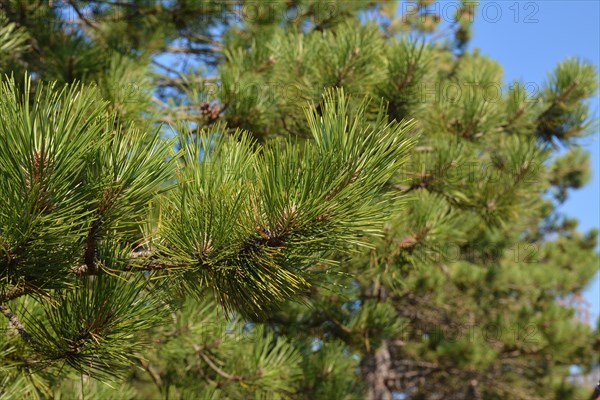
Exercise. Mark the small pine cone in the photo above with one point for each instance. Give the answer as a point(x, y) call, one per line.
point(214, 112)
point(204, 106)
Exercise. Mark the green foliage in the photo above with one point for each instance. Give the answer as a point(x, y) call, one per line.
point(44, 151)
point(285, 199)
point(70, 178)
point(571, 170)
point(566, 115)
point(92, 327)
point(253, 231)
point(13, 41)
point(245, 221)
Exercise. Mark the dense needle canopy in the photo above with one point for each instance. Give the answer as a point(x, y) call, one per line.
point(285, 199)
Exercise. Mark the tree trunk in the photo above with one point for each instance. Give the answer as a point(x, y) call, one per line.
point(375, 369)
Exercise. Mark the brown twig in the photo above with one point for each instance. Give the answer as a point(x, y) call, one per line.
point(215, 368)
point(13, 293)
point(14, 320)
point(82, 17)
point(151, 371)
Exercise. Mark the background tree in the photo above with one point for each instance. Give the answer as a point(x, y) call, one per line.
point(470, 292)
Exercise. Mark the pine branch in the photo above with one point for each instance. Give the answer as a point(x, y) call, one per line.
point(214, 367)
point(192, 50)
point(90, 252)
point(183, 82)
point(15, 322)
point(556, 101)
point(151, 262)
point(195, 37)
point(14, 292)
point(513, 118)
point(167, 68)
point(151, 371)
point(81, 16)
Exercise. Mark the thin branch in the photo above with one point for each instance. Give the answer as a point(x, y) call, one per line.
point(215, 368)
point(181, 117)
point(190, 50)
point(557, 100)
point(184, 81)
point(146, 265)
point(151, 371)
point(151, 265)
point(14, 320)
point(202, 38)
point(515, 116)
point(13, 293)
point(117, 3)
point(167, 68)
point(82, 17)
point(143, 253)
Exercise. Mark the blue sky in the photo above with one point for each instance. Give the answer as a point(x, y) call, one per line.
point(529, 38)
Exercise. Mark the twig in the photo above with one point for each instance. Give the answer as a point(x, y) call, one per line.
point(557, 100)
point(190, 50)
point(183, 81)
point(14, 320)
point(153, 374)
point(82, 17)
point(215, 368)
point(167, 68)
point(13, 293)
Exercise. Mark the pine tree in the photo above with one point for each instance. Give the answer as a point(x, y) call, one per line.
point(285, 200)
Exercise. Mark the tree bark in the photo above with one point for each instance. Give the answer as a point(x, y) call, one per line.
point(375, 369)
